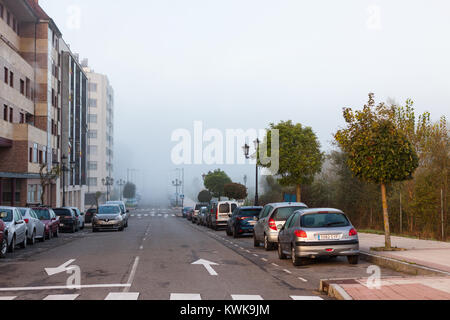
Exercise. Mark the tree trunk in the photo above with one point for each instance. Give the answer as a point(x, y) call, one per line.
point(299, 193)
point(387, 232)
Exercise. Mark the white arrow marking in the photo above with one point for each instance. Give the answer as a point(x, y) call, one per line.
point(207, 264)
point(60, 269)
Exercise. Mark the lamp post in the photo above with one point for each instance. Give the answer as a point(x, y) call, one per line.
point(247, 156)
point(177, 183)
point(65, 169)
point(121, 183)
point(108, 181)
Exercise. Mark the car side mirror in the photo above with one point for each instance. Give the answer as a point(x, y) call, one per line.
point(128, 210)
point(256, 218)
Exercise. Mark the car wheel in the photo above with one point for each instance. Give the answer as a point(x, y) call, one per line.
point(23, 245)
point(73, 229)
point(281, 254)
point(56, 234)
point(267, 245)
point(255, 242)
point(50, 234)
point(12, 246)
point(228, 231)
point(296, 261)
point(32, 241)
point(43, 237)
point(353, 259)
point(3, 248)
point(94, 230)
point(235, 233)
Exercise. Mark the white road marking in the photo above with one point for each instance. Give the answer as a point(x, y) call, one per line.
point(275, 265)
point(7, 298)
point(62, 268)
point(132, 274)
point(141, 248)
point(306, 298)
point(89, 286)
point(145, 215)
point(122, 296)
point(287, 271)
point(255, 255)
point(264, 259)
point(159, 215)
point(207, 264)
point(62, 297)
point(304, 280)
point(185, 296)
point(246, 297)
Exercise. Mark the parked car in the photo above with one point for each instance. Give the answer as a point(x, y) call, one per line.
point(242, 221)
point(125, 211)
point(185, 211)
point(197, 209)
point(68, 220)
point(311, 233)
point(221, 213)
point(50, 221)
point(16, 231)
point(189, 214)
point(109, 217)
point(271, 219)
point(90, 213)
point(36, 229)
point(201, 218)
point(80, 216)
point(3, 238)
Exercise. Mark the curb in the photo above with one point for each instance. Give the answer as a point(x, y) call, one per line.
point(332, 288)
point(401, 266)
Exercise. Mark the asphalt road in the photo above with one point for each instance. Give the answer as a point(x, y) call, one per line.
point(153, 260)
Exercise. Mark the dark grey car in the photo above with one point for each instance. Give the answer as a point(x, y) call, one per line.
point(311, 233)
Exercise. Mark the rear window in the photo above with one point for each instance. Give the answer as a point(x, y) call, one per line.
point(199, 206)
point(62, 212)
point(43, 214)
point(249, 213)
point(224, 208)
point(282, 214)
point(233, 206)
point(324, 220)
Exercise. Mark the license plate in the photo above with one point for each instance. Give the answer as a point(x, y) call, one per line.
point(329, 237)
point(61, 224)
point(252, 223)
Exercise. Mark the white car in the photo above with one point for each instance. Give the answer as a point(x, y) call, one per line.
point(16, 230)
point(36, 229)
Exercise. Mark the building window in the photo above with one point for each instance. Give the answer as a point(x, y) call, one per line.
point(93, 165)
point(92, 134)
point(93, 150)
point(41, 158)
point(5, 112)
point(93, 103)
point(22, 87)
point(92, 182)
point(11, 79)
point(93, 118)
point(92, 87)
point(6, 75)
point(44, 151)
point(35, 153)
point(11, 115)
point(27, 88)
point(22, 117)
point(8, 18)
point(1, 11)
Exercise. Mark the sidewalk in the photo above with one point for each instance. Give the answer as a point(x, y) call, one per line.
point(424, 257)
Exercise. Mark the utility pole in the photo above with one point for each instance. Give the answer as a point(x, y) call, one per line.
point(442, 214)
point(177, 183)
point(121, 183)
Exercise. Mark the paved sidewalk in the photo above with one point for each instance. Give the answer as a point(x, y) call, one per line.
point(432, 254)
point(413, 288)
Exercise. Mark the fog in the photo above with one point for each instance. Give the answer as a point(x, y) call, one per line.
point(244, 64)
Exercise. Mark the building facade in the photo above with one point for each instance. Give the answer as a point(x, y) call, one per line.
point(100, 134)
point(30, 126)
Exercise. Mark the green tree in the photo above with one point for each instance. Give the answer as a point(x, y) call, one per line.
point(129, 190)
point(235, 191)
point(47, 178)
point(378, 152)
point(204, 196)
point(300, 157)
point(215, 182)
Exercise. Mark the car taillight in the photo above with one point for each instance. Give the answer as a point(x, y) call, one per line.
point(353, 233)
point(300, 234)
point(217, 214)
point(26, 220)
point(273, 225)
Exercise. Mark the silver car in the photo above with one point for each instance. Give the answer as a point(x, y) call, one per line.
point(124, 209)
point(109, 217)
point(271, 219)
point(16, 229)
point(311, 233)
point(80, 217)
point(36, 228)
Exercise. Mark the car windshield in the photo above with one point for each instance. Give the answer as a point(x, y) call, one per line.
point(108, 210)
point(282, 214)
point(9, 215)
point(324, 220)
point(42, 214)
point(62, 212)
point(120, 204)
point(249, 212)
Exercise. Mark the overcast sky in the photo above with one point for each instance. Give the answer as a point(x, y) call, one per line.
point(246, 63)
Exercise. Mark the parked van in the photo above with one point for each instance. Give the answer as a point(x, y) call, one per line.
point(221, 212)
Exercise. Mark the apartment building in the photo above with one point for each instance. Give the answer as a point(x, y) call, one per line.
point(101, 133)
point(30, 100)
point(74, 99)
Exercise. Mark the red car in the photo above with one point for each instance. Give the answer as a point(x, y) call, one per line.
point(50, 220)
point(3, 240)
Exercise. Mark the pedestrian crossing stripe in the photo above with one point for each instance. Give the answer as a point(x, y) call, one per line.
point(122, 296)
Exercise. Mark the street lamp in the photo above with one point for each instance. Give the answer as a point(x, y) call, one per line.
point(65, 169)
point(108, 181)
point(121, 183)
point(177, 183)
point(246, 148)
